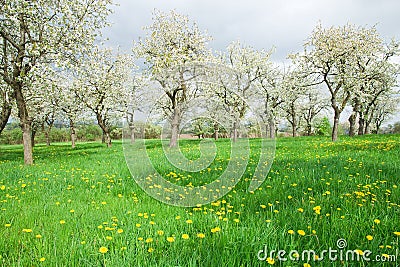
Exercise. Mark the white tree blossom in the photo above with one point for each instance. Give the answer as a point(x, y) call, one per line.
point(241, 68)
point(174, 50)
point(103, 83)
point(270, 91)
point(330, 55)
point(43, 31)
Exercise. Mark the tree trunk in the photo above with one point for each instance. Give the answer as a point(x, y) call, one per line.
point(378, 126)
point(33, 134)
point(132, 132)
point(308, 129)
point(108, 139)
point(366, 129)
point(272, 130)
point(353, 116)
point(25, 123)
point(72, 132)
point(352, 122)
point(27, 141)
point(131, 124)
point(294, 126)
point(50, 123)
point(216, 130)
point(335, 128)
point(234, 133)
point(361, 123)
point(175, 127)
point(47, 135)
point(5, 114)
point(103, 138)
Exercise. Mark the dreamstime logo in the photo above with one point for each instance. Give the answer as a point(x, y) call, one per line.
point(331, 254)
point(148, 159)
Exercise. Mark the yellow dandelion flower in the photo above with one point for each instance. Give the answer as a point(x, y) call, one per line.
point(396, 233)
point(62, 221)
point(201, 235)
point(27, 230)
point(377, 221)
point(178, 217)
point(359, 251)
point(160, 232)
point(120, 231)
point(149, 240)
point(317, 209)
point(185, 236)
point(152, 222)
point(3, 187)
point(138, 225)
point(42, 259)
point(83, 242)
point(270, 261)
point(103, 250)
point(290, 232)
point(263, 206)
point(300, 210)
point(170, 239)
point(268, 221)
point(369, 237)
point(72, 211)
point(215, 230)
point(140, 238)
point(306, 265)
point(109, 238)
point(301, 232)
point(100, 226)
point(38, 236)
point(189, 221)
point(236, 220)
point(150, 250)
point(289, 197)
point(7, 225)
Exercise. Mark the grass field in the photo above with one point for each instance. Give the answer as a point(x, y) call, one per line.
point(80, 207)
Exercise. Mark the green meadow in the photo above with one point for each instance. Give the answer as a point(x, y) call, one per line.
point(81, 207)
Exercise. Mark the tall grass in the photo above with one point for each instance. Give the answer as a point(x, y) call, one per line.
point(74, 204)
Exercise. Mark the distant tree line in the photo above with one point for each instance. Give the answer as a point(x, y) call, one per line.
point(55, 68)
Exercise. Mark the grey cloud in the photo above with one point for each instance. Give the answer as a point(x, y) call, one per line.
point(260, 23)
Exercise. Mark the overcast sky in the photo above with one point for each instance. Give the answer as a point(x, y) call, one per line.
point(262, 24)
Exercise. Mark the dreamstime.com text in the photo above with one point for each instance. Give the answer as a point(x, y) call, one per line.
point(330, 254)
